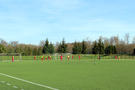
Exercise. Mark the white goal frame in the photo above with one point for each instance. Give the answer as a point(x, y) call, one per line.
point(2, 55)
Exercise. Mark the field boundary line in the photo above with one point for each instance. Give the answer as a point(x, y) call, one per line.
point(37, 84)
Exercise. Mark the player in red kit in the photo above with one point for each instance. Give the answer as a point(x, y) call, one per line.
point(72, 57)
point(12, 58)
point(61, 57)
point(79, 57)
point(34, 57)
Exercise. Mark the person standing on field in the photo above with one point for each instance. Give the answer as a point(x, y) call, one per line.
point(46, 58)
point(61, 57)
point(119, 57)
point(68, 57)
point(72, 57)
point(79, 57)
point(34, 57)
point(42, 58)
point(13, 58)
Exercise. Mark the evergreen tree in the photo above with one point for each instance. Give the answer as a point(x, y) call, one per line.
point(51, 48)
point(84, 48)
point(77, 48)
point(134, 52)
point(74, 49)
point(95, 48)
point(110, 50)
point(46, 47)
point(100, 47)
point(62, 48)
point(59, 50)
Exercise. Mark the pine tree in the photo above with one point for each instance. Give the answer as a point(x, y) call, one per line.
point(74, 49)
point(77, 48)
point(110, 49)
point(51, 48)
point(95, 48)
point(84, 48)
point(59, 50)
point(62, 48)
point(134, 52)
point(46, 47)
point(100, 47)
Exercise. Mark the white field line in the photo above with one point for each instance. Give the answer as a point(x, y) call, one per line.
point(10, 61)
point(45, 86)
point(8, 84)
point(15, 87)
point(2, 81)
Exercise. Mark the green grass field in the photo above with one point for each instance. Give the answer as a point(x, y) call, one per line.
point(87, 74)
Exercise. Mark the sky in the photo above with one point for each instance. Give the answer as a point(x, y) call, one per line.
point(30, 21)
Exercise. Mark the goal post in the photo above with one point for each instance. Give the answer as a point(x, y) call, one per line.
point(65, 55)
point(8, 56)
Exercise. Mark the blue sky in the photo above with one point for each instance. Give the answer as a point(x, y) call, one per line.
point(30, 21)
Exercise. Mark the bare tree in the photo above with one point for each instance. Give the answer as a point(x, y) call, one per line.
point(69, 47)
point(3, 42)
point(133, 40)
point(106, 42)
point(14, 43)
point(112, 41)
point(42, 43)
point(127, 38)
point(116, 40)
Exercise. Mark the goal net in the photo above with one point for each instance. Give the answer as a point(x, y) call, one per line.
point(57, 56)
point(8, 56)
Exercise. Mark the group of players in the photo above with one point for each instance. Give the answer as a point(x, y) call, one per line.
point(60, 57)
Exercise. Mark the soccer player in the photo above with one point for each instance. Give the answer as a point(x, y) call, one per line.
point(12, 58)
point(34, 57)
point(119, 57)
point(99, 57)
point(68, 57)
point(46, 58)
point(50, 58)
point(79, 57)
point(42, 58)
point(72, 57)
point(116, 57)
point(61, 57)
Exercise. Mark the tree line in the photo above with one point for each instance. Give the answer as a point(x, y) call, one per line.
point(112, 45)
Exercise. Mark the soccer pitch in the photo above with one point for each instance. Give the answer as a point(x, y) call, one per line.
point(68, 75)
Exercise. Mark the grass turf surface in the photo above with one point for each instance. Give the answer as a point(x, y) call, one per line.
point(72, 75)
